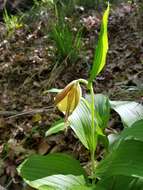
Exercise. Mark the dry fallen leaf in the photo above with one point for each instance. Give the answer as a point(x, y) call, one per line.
point(43, 147)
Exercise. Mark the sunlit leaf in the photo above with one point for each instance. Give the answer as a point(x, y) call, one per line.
point(46, 187)
point(74, 187)
point(80, 122)
point(130, 112)
point(59, 182)
point(101, 49)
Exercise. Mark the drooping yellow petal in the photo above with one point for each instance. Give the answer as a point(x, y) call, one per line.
point(68, 99)
point(60, 96)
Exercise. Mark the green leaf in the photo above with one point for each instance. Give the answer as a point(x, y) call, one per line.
point(102, 114)
point(121, 183)
point(126, 160)
point(134, 132)
point(46, 187)
point(59, 182)
point(129, 112)
point(101, 49)
point(74, 187)
point(112, 138)
point(57, 171)
point(82, 187)
point(80, 122)
point(56, 127)
point(102, 108)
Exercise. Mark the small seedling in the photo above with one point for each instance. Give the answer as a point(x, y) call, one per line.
point(12, 22)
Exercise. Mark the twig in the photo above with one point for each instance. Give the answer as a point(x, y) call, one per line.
point(13, 114)
point(7, 113)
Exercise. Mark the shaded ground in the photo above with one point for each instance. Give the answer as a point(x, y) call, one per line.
point(27, 69)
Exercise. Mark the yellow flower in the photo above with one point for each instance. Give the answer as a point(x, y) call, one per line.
point(68, 99)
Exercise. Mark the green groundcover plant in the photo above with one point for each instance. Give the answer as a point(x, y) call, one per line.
point(68, 44)
point(12, 22)
point(122, 163)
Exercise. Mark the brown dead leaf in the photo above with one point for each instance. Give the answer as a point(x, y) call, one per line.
point(43, 147)
point(2, 123)
point(10, 169)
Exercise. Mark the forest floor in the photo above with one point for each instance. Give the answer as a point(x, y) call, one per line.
point(28, 69)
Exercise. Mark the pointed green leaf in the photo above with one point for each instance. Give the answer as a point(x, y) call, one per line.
point(56, 127)
point(101, 49)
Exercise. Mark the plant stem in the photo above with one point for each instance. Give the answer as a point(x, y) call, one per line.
point(83, 81)
point(92, 156)
point(92, 152)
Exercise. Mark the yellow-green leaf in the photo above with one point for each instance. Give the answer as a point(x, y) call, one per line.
point(101, 49)
point(36, 118)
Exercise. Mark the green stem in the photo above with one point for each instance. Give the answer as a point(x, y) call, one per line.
point(92, 156)
point(83, 81)
point(92, 129)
